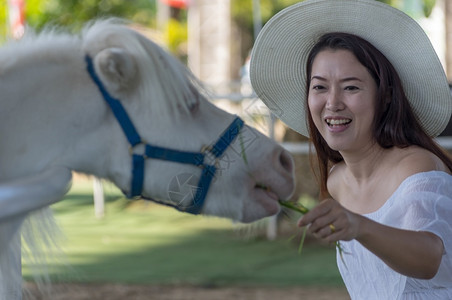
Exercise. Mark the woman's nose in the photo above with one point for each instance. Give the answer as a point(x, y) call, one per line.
point(334, 101)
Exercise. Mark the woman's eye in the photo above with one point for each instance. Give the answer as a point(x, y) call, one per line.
point(318, 87)
point(351, 88)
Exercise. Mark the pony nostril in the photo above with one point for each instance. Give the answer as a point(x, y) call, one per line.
point(286, 161)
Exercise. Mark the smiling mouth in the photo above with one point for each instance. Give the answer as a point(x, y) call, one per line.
point(337, 122)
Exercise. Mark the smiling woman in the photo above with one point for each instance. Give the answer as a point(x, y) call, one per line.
point(362, 80)
point(342, 96)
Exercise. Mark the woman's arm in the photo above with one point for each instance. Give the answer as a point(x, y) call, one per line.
point(415, 254)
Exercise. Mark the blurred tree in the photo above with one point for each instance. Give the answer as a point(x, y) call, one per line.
point(4, 27)
point(242, 11)
point(74, 13)
point(242, 17)
point(176, 35)
point(427, 5)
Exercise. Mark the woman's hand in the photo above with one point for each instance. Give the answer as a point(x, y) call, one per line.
point(331, 222)
point(412, 253)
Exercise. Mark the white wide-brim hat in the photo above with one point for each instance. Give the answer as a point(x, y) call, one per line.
point(278, 59)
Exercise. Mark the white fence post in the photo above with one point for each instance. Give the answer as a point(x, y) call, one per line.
point(99, 200)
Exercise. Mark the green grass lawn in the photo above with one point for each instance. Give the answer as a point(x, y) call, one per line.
point(143, 243)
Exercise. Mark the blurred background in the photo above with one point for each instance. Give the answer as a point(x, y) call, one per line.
point(113, 248)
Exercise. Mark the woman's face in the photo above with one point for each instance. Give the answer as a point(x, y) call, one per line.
point(341, 100)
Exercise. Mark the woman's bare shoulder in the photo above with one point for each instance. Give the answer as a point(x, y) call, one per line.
point(413, 160)
point(335, 176)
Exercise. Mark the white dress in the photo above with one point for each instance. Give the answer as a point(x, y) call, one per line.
point(423, 202)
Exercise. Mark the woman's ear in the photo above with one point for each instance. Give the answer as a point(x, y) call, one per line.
point(116, 68)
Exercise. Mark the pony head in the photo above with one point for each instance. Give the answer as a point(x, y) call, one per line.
point(169, 110)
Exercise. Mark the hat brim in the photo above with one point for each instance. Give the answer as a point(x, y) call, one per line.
point(278, 59)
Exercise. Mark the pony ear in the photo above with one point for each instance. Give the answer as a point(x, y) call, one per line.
point(116, 68)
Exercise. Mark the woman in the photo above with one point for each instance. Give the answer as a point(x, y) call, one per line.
point(375, 96)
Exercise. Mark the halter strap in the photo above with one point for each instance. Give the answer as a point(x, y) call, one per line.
point(155, 152)
point(118, 110)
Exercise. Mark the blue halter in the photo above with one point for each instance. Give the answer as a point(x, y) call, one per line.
point(150, 151)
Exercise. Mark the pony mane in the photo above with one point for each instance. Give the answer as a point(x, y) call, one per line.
point(162, 77)
point(52, 44)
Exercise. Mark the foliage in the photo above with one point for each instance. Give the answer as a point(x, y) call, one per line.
point(3, 20)
point(242, 11)
point(177, 36)
point(74, 13)
point(427, 5)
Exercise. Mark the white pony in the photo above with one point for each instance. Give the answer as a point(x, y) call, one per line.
point(54, 119)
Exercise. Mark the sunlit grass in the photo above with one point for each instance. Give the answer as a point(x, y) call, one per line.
point(144, 243)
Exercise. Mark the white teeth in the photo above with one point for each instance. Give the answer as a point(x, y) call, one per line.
point(338, 121)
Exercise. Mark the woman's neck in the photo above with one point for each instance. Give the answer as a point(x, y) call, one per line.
point(364, 163)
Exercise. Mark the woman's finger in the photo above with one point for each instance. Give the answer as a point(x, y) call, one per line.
point(320, 210)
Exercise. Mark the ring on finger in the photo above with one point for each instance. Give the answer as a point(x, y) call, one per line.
point(333, 228)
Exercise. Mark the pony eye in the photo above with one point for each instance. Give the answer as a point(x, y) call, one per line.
point(194, 106)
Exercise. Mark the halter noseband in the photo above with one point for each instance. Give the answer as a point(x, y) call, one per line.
point(151, 151)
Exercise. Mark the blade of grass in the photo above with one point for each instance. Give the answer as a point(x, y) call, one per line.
point(242, 145)
point(298, 207)
point(294, 206)
point(300, 247)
